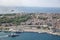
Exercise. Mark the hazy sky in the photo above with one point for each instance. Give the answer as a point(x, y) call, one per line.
point(31, 3)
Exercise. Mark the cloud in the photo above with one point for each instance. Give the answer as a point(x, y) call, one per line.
point(10, 2)
point(31, 3)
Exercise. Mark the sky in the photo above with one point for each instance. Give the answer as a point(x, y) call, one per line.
point(31, 3)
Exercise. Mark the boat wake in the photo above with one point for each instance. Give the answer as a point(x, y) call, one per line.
point(4, 36)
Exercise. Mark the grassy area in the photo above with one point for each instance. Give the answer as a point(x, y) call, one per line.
point(16, 20)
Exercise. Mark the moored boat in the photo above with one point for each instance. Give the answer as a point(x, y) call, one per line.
point(13, 35)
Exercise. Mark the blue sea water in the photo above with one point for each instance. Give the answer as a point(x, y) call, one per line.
point(29, 9)
point(30, 36)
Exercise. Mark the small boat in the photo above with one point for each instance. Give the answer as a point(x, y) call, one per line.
point(13, 35)
point(0, 31)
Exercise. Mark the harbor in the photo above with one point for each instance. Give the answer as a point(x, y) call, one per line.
point(29, 36)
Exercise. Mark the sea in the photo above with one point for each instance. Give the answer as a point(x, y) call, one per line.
point(29, 36)
point(29, 9)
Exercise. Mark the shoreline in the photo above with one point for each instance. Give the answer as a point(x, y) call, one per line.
point(34, 30)
point(42, 31)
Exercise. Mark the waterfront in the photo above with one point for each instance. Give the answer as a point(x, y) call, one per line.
point(29, 20)
point(29, 36)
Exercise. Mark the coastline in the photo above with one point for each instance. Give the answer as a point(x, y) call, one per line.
point(30, 30)
point(36, 30)
point(41, 31)
point(56, 33)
